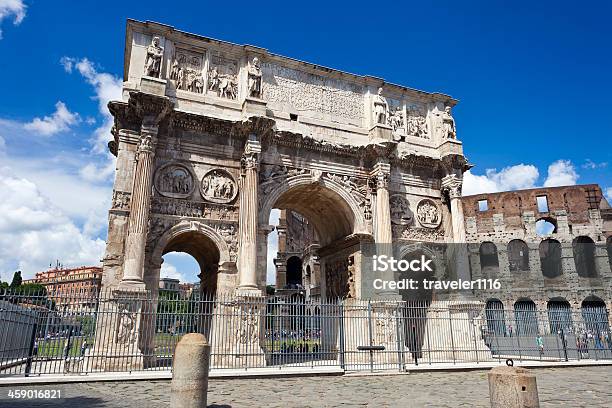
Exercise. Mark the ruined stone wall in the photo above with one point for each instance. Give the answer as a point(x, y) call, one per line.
point(499, 218)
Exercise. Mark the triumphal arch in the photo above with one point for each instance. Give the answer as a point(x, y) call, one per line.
point(211, 136)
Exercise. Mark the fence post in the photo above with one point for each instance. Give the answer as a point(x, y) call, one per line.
point(400, 342)
point(370, 333)
point(28, 367)
point(342, 346)
point(450, 323)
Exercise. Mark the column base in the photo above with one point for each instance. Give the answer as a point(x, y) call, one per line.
point(130, 285)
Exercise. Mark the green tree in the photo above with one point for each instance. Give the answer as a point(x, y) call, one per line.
point(17, 279)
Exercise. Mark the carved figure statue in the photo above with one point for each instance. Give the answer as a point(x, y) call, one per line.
point(153, 59)
point(174, 72)
point(396, 119)
point(381, 108)
point(126, 327)
point(417, 124)
point(226, 85)
point(255, 78)
point(448, 124)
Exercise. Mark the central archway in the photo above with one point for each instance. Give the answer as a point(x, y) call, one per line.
point(335, 215)
point(331, 209)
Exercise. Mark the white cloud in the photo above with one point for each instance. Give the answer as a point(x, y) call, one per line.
point(59, 121)
point(107, 88)
point(608, 194)
point(561, 173)
point(34, 232)
point(169, 271)
point(591, 165)
point(2, 145)
point(520, 176)
point(12, 8)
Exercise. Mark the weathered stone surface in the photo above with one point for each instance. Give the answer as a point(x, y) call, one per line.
point(190, 368)
point(513, 387)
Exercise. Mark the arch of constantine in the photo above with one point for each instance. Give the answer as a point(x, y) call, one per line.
point(211, 136)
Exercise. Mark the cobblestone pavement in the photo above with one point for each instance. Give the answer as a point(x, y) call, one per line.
point(558, 387)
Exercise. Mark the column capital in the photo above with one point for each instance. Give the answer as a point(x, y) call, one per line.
point(379, 176)
point(250, 157)
point(452, 185)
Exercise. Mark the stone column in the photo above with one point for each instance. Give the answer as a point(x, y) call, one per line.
point(451, 185)
point(382, 233)
point(247, 230)
point(383, 236)
point(136, 239)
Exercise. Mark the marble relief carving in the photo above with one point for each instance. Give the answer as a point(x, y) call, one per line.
point(193, 209)
point(223, 77)
point(428, 214)
point(186, 71)
point(312, 93)
point(417, 122)
point(153, 58)
point(218, 186)
point(121, 200)
point(401, 214)
point(174, 180)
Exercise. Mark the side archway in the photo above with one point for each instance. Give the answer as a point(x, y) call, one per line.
point(201, 241)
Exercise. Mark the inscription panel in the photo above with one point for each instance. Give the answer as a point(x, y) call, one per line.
point(311, 93)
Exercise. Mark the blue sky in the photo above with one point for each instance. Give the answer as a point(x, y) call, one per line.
point(533, 80)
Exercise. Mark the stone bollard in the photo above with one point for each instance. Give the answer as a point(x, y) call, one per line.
point(190, 372)
point(512, 387)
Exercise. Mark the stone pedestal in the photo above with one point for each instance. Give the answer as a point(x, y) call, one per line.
point(374, 323)
point(190, 367)
point(452, 333)
point(381, 132)
point(253, 107)
point(237, 331)
point(513, 387)
point(153, 86)
point(118, 333)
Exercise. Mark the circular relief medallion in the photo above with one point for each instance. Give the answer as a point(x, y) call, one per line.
point(218, 186)
point(174, 180)
point(428, 214)
point(401, 214)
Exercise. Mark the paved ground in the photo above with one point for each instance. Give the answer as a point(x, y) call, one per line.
point(559, 387)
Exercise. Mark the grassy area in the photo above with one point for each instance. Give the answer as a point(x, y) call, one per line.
point(55, 347)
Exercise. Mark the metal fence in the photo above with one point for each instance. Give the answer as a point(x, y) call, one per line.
point(119, 331)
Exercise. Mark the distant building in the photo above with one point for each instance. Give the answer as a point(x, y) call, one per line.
point(169, 284)
point(186, 289)
point(71, 287)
